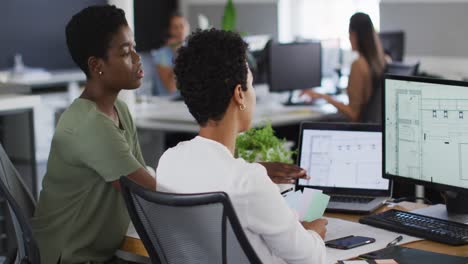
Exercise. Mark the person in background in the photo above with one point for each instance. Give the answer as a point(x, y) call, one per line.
point(366, 71)
point(165, 83)
point(81, 216)
point(216, 84)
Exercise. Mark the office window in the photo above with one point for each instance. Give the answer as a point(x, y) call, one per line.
point(322, 19)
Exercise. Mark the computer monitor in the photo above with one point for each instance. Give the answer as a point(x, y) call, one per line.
point(295, 66)
point(426, 133)
point(393, 44)
point(341, 157)
point(36, 30)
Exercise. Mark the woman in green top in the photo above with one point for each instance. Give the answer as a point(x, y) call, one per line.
point(81, 216)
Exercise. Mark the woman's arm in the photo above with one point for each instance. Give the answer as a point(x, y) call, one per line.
point(352, 115)
point(356, 92)
point(167, 77)
point(140, 176)
point(269, 216)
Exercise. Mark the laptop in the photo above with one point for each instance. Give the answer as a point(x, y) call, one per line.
point(344, 160)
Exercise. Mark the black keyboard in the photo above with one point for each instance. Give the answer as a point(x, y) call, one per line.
point(426, 227)
point(351, 199)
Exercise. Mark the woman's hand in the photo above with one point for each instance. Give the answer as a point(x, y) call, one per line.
point(312, 94)
point(282, 173)
point(319, 226)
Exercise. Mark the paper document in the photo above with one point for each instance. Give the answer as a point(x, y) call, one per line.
point(308, 205)
point(131, 231)
point(337, 228)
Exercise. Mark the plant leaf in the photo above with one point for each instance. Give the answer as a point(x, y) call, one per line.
point(261, 144)
point(229, 17)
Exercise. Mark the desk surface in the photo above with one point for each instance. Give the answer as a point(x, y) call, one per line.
point(165, 115)
point(51, 78)
point(13, 102)
point(136, 246)
point(423, 244)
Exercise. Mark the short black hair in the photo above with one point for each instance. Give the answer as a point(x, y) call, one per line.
point(175, 14)
point(90, 31)
point(208, 69)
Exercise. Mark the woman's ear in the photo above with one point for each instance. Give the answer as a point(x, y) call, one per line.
point(94, 66)
point(239, 96)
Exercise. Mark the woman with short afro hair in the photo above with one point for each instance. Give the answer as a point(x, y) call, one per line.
point(216, 84)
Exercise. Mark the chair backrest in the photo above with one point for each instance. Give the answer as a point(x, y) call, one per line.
point(21, 207)
point(405, 69)
point(372, 110)
point(187, 228)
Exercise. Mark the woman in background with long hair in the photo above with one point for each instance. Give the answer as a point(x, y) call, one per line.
point(366, 71)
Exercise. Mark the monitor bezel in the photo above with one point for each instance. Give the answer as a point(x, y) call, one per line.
point(402, 179)
point(341, 127)
point(274, 87)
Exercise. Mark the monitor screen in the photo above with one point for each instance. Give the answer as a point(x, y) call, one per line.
point(342, 159)
point(393, 44)
point(295, 66)
point(426, 131)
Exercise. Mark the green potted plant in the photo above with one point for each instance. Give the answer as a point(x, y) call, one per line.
point(261, 145)
point(229, 17)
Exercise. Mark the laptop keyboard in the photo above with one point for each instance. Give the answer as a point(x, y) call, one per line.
point(351, 199)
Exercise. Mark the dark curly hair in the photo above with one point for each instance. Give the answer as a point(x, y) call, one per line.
point(90, 31)
point(208, 69)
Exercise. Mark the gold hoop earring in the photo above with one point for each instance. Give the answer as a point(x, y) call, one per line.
point(242, 107)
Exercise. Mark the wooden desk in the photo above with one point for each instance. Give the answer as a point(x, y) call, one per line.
point(423, 244)
point(136, 246)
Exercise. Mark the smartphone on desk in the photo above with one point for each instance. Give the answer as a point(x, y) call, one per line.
point(349, 242)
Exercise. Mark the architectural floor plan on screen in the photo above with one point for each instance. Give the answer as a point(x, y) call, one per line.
point(427, 132)
point(343, 159)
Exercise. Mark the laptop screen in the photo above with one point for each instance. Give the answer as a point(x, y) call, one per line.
point(342, 159)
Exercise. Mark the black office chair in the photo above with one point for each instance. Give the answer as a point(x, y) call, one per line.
point(21, 206)
point(372, 110)
point(405, 69)
point(187, 228)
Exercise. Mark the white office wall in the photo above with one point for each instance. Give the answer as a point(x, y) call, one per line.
point(435, 33)
point(184, 4)
point(288, 20)
point(127, 6)
point(322, 19)
point(424, 1)
point(254, 17)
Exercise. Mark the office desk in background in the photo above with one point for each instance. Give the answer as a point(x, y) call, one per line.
point(133, 249)
point(48, 79)
point(161, 116)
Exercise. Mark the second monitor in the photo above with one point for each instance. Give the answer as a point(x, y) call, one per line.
point(295, 66)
